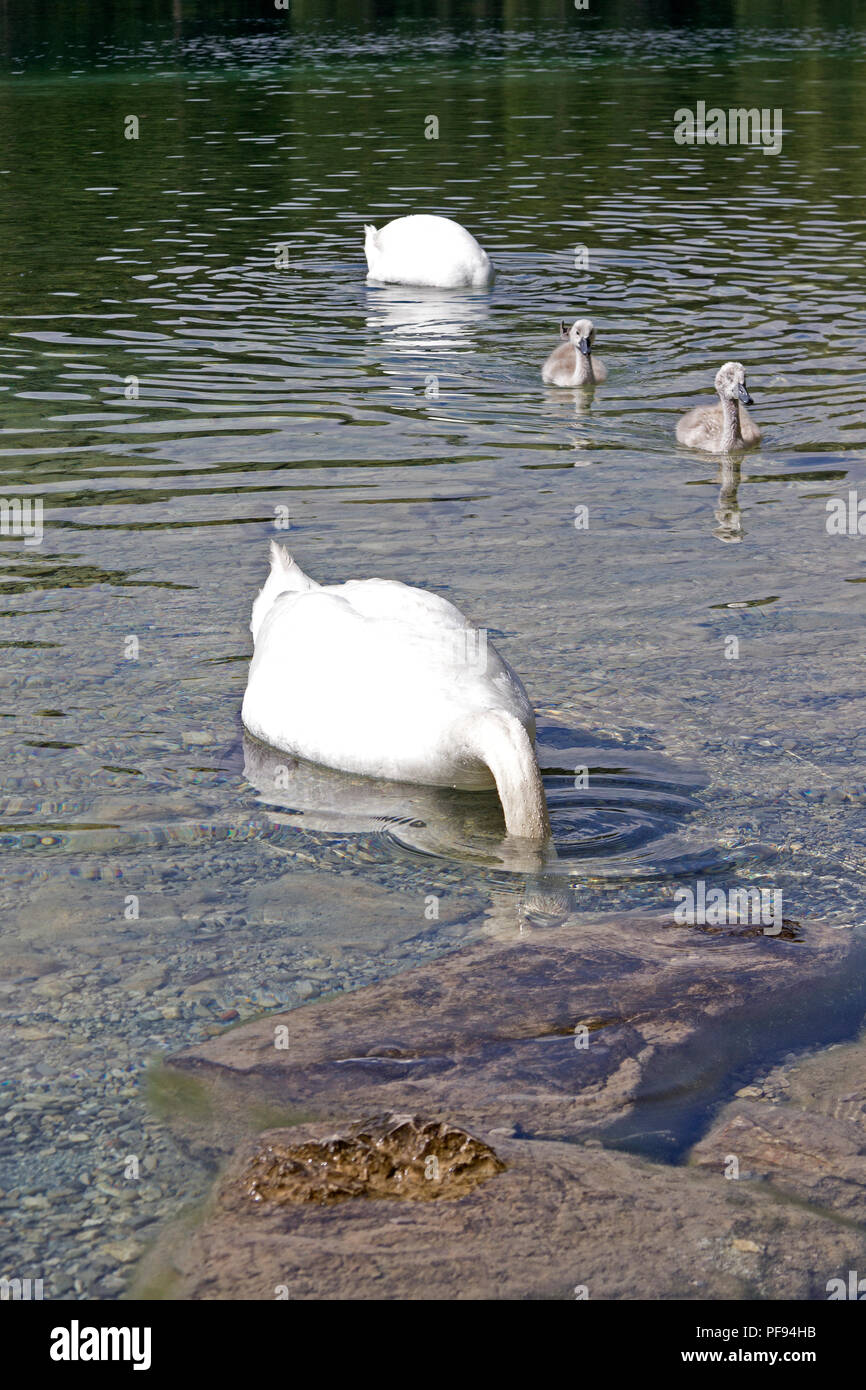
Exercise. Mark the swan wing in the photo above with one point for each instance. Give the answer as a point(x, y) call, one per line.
point(703, 422)
point(750, 431)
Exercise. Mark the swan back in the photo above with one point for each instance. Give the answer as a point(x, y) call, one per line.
point(425, 250)
point(373, 675)
point(386, 680)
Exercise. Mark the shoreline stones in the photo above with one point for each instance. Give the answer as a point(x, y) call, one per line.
point(525, 1043)
point(115, 995)
point(544, 1031)
point(804, 1133)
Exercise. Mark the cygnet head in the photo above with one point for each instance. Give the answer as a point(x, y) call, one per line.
point(581, 334)
point(731, 383)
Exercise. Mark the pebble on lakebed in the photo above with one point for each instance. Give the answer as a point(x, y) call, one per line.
point(403, 1156)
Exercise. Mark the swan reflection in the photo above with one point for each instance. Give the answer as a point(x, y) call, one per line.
point(438, 820)
point(319, 798)
point(421, 321)
point(727, 510)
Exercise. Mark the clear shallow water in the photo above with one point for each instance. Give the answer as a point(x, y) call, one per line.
point(409, 435)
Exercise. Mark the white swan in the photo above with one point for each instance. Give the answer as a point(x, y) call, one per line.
point(572, 363)
point(384, 680)
point(425, 250)
point(720, 429)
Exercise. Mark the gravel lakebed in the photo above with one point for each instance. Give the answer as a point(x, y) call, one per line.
point(91, 1002)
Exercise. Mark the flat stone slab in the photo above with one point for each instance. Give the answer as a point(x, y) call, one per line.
point(549, 1033)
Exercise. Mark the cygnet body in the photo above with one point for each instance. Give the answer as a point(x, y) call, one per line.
point(572, 363)
point(723, 428)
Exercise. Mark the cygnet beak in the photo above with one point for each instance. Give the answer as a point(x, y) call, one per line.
point(744, 396)
point(583, 344)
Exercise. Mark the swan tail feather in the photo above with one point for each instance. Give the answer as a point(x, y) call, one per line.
point(285, 577)
point(286, 569)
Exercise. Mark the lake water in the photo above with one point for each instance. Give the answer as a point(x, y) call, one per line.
point(191, 363)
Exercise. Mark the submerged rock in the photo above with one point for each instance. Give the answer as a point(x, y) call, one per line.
point(388, 1156)
point(562, 1221)
point(555, 1031)
point(811, 1145)
point(524, 1040)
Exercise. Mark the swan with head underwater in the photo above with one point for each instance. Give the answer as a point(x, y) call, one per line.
point(424, 250)
point(380, 679)
point(723, 428)
point(572, 363)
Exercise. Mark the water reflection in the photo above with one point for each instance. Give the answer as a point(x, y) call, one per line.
point(536, 893)
point(612, 817)
point(322, 798)
point(544, 901)
point(727, 510)
point(410, 319)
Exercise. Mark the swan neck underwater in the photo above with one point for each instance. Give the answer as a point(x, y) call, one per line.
point(501, 742)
